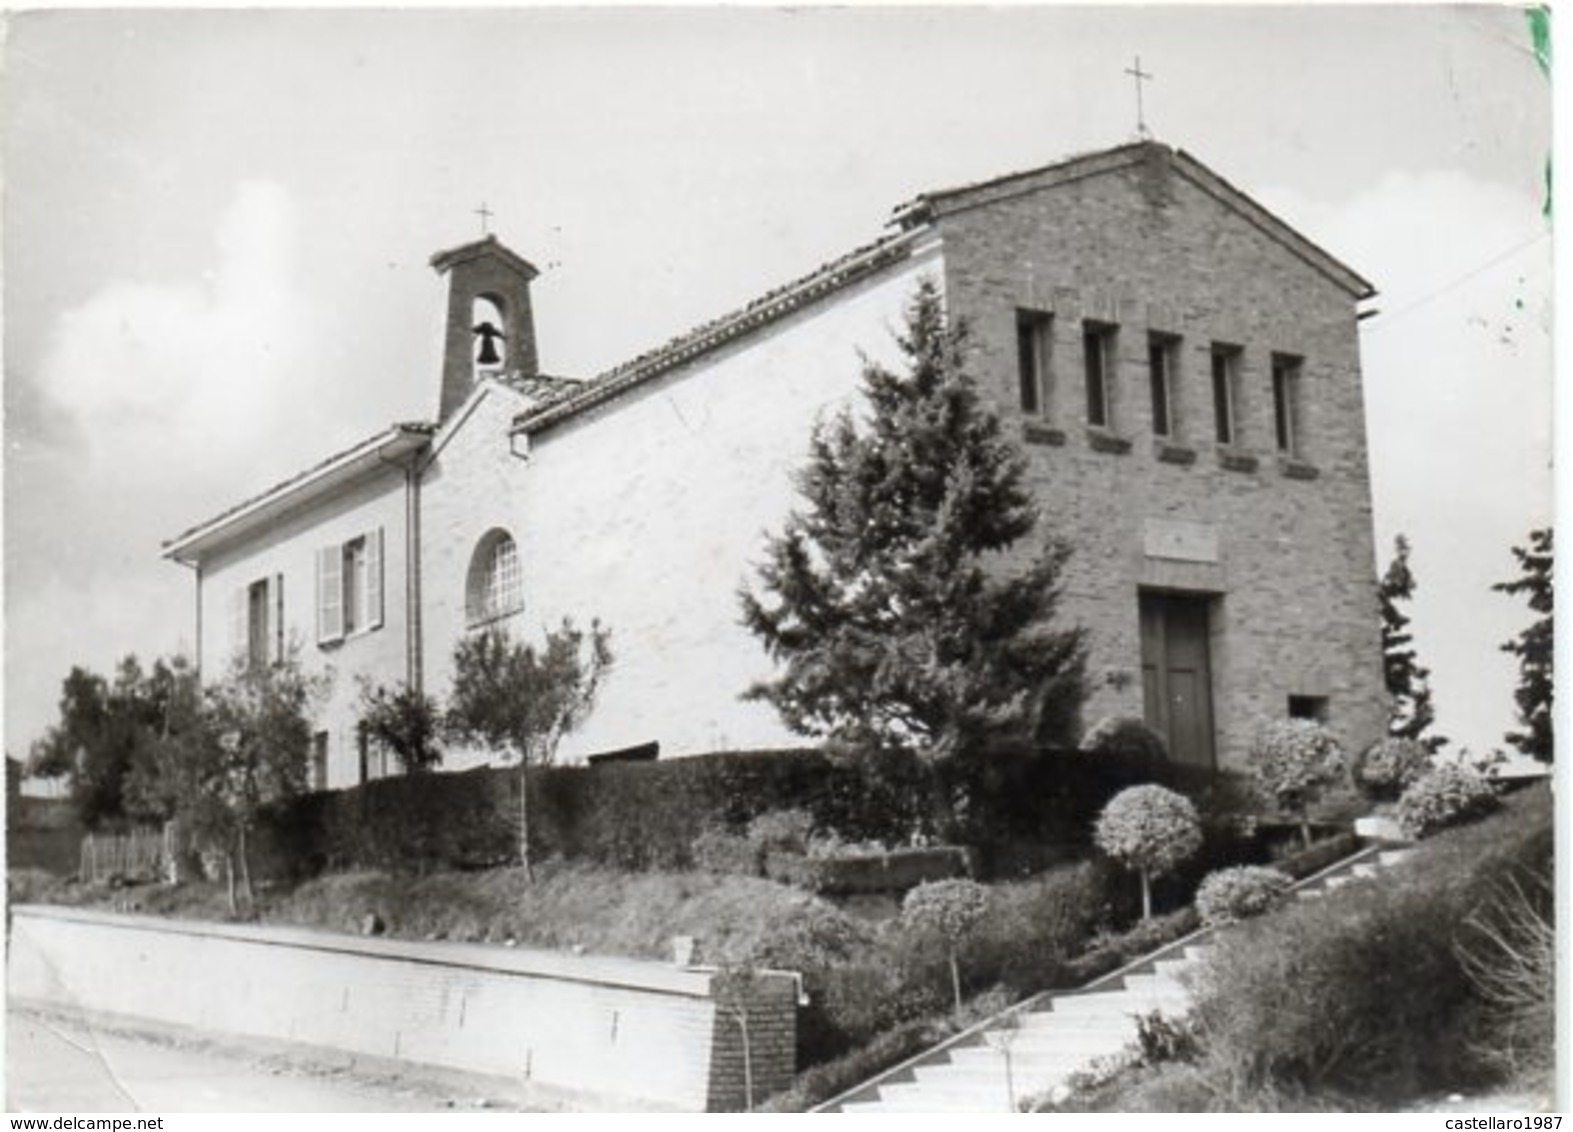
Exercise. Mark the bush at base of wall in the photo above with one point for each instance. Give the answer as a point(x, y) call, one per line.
point(646, 816)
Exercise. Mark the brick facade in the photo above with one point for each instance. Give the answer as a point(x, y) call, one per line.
point(1146, 249)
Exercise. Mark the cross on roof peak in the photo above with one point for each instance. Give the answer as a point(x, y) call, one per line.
point(485, 214)
point(1140, 76)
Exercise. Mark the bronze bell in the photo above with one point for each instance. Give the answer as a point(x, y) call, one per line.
point(488, 335)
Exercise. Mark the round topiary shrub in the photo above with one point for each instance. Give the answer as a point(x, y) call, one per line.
point(1384, 769)
point(1128, 739)
point(1446, 795)
point(950, 909)
point(1238, 893)
point(1292, 761)
point(1150, 829)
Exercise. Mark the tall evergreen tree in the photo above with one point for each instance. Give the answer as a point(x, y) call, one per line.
point(1410, 712)
point(1533, 646)
point(890, 600)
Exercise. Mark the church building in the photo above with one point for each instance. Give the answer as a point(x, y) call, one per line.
point(1180, 366)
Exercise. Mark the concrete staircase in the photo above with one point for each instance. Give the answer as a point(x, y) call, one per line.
point(1036, 1045)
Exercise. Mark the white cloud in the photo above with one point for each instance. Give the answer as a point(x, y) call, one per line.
point(184, 370)
point(179, 395)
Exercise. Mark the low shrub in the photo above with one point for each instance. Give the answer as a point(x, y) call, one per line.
point(1383, 770)
point(781, 831)
point(1366, 992)
point(1032, 928)
point(1239, 893)
point(1129, 739)
point(1447, 795)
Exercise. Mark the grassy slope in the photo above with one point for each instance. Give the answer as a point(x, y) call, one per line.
point(1455, 877)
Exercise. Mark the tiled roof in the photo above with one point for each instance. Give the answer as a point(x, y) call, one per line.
point(823, 280)
point(283, 487)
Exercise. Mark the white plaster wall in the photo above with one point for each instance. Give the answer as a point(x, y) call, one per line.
point(289, 547)
point(649, 513)
point(640, 1031)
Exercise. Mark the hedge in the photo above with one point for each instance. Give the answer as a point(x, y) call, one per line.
point(646, 816)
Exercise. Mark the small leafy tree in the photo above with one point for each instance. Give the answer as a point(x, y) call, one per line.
point(106, 727)
point(906, 604)
point(1410, 711)
point(522, 700)
point(235, 747)
point(950, 909)
point(1292, 762)
point(406, 721)
point(1533, 646)
point(1149, 829)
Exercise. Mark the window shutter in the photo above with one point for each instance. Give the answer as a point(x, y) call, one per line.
point(330, 594)
point(373, 611)
point(276, 612)
point(239, 639)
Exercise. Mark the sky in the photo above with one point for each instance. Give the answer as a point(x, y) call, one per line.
point(217, 227)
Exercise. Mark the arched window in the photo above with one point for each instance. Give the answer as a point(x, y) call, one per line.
point(494, 589)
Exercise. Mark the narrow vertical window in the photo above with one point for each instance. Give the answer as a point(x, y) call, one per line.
point(1286, 393)
point(1226, 367)
point(259, 646)
point(319, 761)
point(1032, 360)
point(1098, 354)
point(355, 585)
point(1162, 354)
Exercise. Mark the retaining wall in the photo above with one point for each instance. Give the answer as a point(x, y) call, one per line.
point(643, 1032)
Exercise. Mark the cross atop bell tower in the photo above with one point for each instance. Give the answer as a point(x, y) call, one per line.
point(491, 327)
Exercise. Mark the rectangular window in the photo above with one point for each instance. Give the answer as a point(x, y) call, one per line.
point(256, 621)
point(1286, 403)
point(1313, 708)
point(1098, 354)
point(1163, 352)
point(257, 650)
point(319, 761)
point(349, 587)
point(354, 585)
point(1226, 369)
point(1032, 359)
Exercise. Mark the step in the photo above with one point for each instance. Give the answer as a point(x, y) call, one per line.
point(990, 1097)
point(1365, 870)
point(1174, 968)
point(1044, 1065)
point(1391, 857)
point(1123, 1003)
point(918, 1105)
point(1060, 1021)
point(1157, 983)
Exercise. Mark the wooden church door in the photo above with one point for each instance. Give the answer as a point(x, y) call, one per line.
point(1177, 675)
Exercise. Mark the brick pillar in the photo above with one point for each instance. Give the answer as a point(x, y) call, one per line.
point(763, 1006)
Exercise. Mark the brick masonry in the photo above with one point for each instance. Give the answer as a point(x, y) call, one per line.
point(1294, 581)
point(641, 1032)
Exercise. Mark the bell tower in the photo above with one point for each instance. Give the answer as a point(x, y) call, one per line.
point(491, 328)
